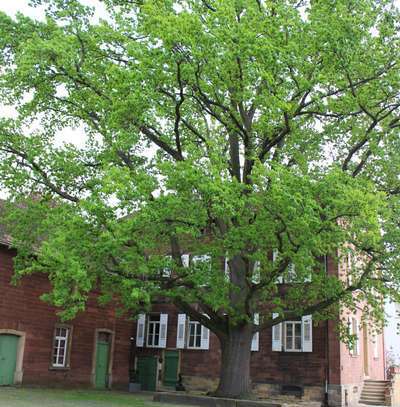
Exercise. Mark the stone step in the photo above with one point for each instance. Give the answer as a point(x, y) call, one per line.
point(377, 382)
point(376, 400)
point(372, 396)
point(375, 388)
point(376, 385)
point(371, 403)
point(373, 392)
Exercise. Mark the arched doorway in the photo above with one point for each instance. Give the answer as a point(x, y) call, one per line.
point(12, 344)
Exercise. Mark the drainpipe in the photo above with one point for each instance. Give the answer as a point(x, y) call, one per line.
point(327, 370)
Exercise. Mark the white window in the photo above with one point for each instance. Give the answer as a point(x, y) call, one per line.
point(255, 342)
point(293, 342)
point(157, 330)
point(256, 276)
point(376, 346)
point(349, 269)
point(354, 330)
point(167, 271)
point(153, 331)
point(194, 335)
point(293, 336)
point(60, 348)
point(291, 276)
point(191, 334)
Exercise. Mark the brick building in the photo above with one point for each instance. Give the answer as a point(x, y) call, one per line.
point(37, 349)
point(295, 357)
point(95, 349)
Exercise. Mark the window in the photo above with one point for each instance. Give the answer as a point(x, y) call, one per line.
point(290, 275)
point(376, 346)
point(293, 336)
point(191, 334)
point(153, 331)
point(354, 330)
point(62, 335)
point(194, 337)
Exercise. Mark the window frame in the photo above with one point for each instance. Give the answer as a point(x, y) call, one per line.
point(198, 334)
point(147, 329)
point(354, 330)
point(67, 347)
point(375, 345)
point(293, 324)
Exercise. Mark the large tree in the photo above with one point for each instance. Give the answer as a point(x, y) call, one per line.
point(232, 128)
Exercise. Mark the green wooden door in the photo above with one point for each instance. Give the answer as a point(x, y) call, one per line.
point(8, 358)
point(102, 356)
point(171, 367)
point(147, 372)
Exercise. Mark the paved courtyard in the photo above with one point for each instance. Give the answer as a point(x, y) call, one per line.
point(14, 397)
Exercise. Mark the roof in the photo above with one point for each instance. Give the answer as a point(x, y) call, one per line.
point(5, 238)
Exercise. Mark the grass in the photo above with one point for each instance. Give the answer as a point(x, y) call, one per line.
point(24, 397)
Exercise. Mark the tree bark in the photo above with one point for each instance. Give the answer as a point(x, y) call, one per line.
point(235, 363)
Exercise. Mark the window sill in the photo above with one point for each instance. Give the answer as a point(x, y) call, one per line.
point(66, 368)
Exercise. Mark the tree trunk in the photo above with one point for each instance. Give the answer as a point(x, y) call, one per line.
point(235, 363)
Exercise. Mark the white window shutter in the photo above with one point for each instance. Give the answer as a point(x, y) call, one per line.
point(291, 273)
point(376, 346)
point(226, 269)
point(166, 272)
point(308, 277)
point(276, 335)
point(205, 338)
point(140, 325)
point(255, 340)
point(357, 343)
point(181, 331)
point(185, 260)
point(163, 330)
point(275, 253)
point(256, 276)
point(306, 330)
point(203, 258)
point(350, 326)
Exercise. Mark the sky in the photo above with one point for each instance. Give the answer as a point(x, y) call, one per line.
point(12, 7)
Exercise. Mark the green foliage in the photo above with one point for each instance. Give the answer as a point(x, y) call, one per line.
point(228, 128)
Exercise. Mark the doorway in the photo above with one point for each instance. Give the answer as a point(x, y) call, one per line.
point(103, 346)
point(171, 366)
point(8, 358)
point(147, 372)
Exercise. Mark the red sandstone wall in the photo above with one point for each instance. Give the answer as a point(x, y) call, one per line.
point(22, 310)
point(352, 367)
point(266, 366)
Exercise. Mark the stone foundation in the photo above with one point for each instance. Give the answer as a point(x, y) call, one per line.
point(270, 390)
point(262, 391)
point(344, 395)
point(199, 384)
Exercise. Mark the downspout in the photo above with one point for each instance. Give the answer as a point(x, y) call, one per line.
point(327, 370)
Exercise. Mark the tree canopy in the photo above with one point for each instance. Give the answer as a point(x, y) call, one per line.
point(229, 128)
